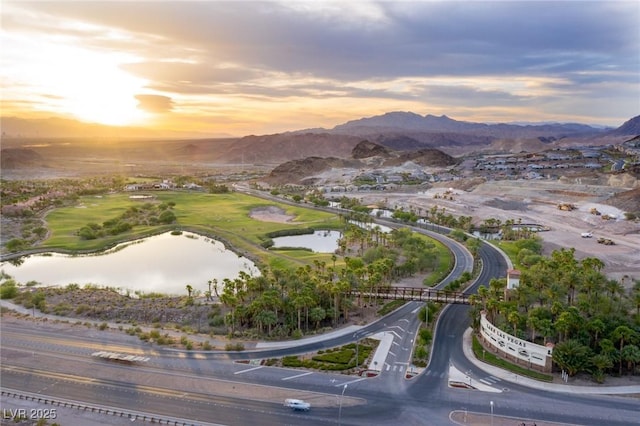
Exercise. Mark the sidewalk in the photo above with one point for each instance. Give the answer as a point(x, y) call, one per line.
point(535, 384)
point(311, 339)
point(379, 355)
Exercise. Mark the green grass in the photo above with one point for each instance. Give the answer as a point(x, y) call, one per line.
point(445, 264)
point(510, 249)
point(225, 216)
point(390, 307)
point(492, 359)
point(222, 216)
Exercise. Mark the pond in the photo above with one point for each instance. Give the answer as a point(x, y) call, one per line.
point(163, 263)
point(318, 242)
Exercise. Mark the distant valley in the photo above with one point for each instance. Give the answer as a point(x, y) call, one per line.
point(404, 131)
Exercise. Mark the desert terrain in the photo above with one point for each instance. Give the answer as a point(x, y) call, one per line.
point(536, 203)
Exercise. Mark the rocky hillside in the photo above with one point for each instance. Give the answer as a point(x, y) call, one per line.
point(283, 147)
point(364, 155)
point(423, 157)
point(366, 149)
point(301, 171)
point(15, 158)
point(630, 128)
point(628, 201)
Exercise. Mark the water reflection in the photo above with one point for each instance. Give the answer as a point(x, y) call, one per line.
point(163, 263)
point(318, 242)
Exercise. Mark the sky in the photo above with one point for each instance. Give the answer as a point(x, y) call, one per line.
point(241, 67)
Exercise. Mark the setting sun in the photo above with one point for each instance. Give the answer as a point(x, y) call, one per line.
point(91, 87)
point(74, 81)
point(220, 68)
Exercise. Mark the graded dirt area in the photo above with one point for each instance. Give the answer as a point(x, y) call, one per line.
point(537, 203)
point(270, 214)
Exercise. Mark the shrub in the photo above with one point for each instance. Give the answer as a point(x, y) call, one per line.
point(61, 309)
point(291, 361)
point(421, 352)
point(8, 290)
point(425, 336)
point(234, 347)
point(82, 308)
point(337, 357)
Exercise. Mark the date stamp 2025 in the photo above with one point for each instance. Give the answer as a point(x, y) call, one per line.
point(29, 413)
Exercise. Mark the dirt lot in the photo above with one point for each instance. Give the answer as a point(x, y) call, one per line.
point(536, 203)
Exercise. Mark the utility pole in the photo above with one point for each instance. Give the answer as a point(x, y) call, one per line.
point(340, 409)
point(491, 404)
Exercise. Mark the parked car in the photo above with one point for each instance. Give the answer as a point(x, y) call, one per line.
point(586, 235)
point(297, 404)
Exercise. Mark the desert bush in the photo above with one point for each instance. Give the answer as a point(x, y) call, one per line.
point(8, 290)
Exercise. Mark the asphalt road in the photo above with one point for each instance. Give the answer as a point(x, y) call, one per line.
point(211, 389)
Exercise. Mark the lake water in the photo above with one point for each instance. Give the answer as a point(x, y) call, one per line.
point(163, 263)
point(318, 242)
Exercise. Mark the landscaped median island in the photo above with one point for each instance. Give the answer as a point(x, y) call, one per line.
point(351, 358)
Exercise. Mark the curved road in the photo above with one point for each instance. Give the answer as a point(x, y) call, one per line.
point(209, 389)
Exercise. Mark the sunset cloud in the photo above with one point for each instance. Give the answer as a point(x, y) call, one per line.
point(226, 62)
point(154, 103)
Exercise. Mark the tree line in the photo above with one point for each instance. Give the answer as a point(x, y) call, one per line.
point(291, 302)
point(593, 321)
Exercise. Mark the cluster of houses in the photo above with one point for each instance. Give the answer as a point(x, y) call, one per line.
point(383, 181)
point(165, 184)
point(533, 166)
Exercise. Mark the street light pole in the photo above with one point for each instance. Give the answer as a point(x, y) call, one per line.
point(340, 409)
point(491, 404)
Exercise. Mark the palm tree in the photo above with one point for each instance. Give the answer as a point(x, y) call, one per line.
point(229, 298)
point(189, 290)
point(622, 333)
point(545, 326)
point(597, 326)
point(514, 318)
point(608, 348)
point(533, 323)
point(601, 362)
point(571, 356)
point(317, 314)
point(631, 354)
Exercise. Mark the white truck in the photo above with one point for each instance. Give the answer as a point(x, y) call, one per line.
point(586, 235)
point(297, 404)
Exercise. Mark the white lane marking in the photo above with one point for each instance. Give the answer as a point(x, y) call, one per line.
point(247, 370)
point(353, 381)
point(297, 375)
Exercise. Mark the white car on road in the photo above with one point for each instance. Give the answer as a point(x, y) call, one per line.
point(297, 404)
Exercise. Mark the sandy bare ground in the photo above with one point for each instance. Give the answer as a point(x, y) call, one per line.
point(536, 203)
point(270, 214)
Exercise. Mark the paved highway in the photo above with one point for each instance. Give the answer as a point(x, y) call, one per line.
point(211, 389)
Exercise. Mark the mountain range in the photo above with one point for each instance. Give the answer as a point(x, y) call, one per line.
point(401, 131)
